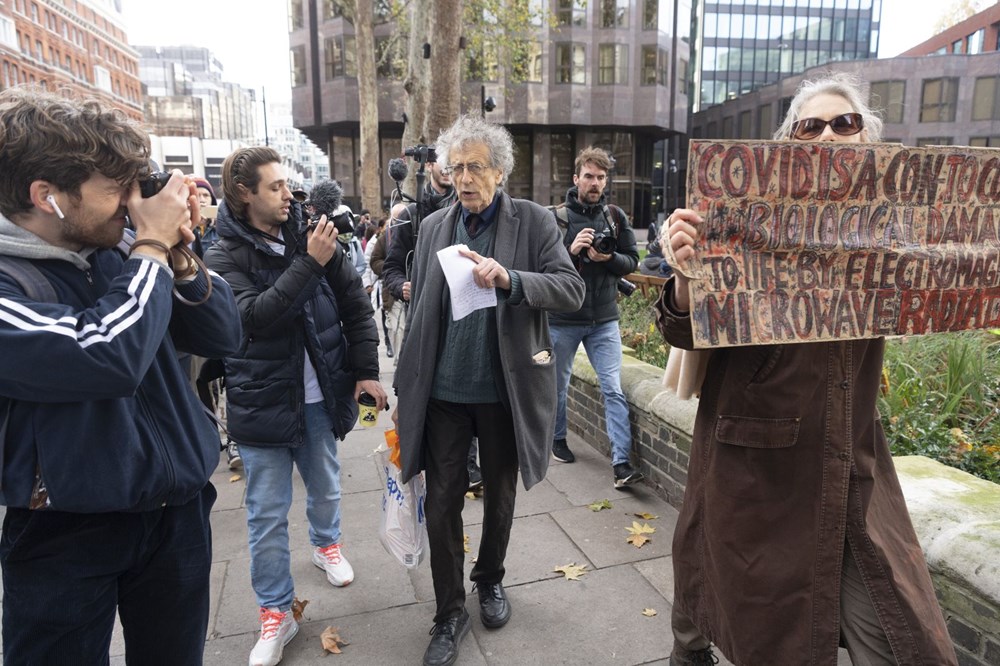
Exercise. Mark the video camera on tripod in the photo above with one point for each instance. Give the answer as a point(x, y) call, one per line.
point(398, 170)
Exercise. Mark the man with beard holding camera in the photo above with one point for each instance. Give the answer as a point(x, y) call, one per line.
point(310, 349)
point(106, 451)
point(602, 246)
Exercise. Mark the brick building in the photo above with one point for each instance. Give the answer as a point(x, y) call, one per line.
point(76, 44)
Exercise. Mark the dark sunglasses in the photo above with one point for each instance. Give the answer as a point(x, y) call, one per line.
point(844, 125)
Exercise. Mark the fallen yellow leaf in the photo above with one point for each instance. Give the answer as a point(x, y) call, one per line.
point(572, 571)
point(600, 506)
point(637, 534)
point(298, 607)
point(234, 478)
point(331, 640)
point(465, 543)
point(649, 612)
point(645, 515)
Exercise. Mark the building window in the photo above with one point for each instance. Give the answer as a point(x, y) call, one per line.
point(650, 14)
point(982, 141)
point(888, 96)
point(727, 127)
point(297, 56)
point(613, 64)
point(331, 9)
point(102, 78)
point(614, 13)
point(8, 32)
point(571, 63)
point(765, 121)
point(986, 98)
point(976, 40)
point(333, 58)
point(571, 12)
point(934, 141)
point(482, 64)
point(682, 76)
point(527, 59)
point(956, 46)
point(937, 103)
point(562, 156)
point(746, 125)
point(34, 12)
point(648, 77)
point(296, 15)
point(520, 180)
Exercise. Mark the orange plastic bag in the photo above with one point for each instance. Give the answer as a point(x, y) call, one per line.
point(392, 441)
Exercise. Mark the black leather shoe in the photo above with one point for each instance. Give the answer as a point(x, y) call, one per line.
point(446, 637)
point(494, 608)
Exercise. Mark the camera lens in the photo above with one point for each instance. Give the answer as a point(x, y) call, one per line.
point(150, 186)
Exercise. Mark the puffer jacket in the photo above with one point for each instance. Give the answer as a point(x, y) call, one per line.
point(291, 305)
point(600, 304)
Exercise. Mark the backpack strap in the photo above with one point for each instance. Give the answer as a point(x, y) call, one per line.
point(31, 280)
point(562, 217)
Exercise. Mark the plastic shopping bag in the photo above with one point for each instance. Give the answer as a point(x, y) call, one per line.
point(403, 530)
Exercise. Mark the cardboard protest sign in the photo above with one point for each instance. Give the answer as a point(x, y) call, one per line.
point(805, 242)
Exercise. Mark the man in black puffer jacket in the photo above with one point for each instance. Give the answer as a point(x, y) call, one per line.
point(601, 244)
point(310, 348)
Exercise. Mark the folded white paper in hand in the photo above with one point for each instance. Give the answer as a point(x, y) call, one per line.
point(466, 297)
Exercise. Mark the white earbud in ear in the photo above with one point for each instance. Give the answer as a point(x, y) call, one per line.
point(52, 202)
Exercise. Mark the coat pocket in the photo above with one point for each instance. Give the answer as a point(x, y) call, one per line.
point(753, 459)
point(757, 433)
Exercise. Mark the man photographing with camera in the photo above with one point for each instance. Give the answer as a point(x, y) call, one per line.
point(602, 246)
point(106, 451)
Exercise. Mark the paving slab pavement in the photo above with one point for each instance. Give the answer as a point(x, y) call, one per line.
point(385, 614)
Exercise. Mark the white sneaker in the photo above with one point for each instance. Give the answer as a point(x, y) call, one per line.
point(276, 629)
point(332, 561)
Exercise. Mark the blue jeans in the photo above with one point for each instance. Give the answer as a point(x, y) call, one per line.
point(269, 497)
point(603, 343)
point(65, 575)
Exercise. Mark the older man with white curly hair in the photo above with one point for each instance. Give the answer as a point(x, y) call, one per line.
point(491, 373)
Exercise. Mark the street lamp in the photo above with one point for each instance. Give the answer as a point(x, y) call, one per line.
point(485, 103)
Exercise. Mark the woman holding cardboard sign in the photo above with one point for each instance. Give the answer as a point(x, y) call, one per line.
point(794, 536)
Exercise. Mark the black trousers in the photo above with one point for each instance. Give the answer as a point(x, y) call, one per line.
point(449, 427)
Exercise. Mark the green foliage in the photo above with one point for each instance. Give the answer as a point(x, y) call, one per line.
point(639, 331)
point(941, 400)
point(941, 397)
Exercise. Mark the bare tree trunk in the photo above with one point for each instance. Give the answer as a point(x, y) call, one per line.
point(371, 186)
point(446, 67)
point(417, 83)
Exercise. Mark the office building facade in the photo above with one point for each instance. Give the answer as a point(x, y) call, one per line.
point(742, 45)
point(609, 72)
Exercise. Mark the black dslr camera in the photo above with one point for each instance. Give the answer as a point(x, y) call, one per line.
point(421, 153)
point(153, 183)
point(604, 242)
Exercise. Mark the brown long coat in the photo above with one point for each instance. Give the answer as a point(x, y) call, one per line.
point(788, 461)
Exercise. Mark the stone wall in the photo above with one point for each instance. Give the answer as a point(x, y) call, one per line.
point(956, 516)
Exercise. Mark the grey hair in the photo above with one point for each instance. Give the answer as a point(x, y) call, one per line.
point(471, 130)
point(841, 84)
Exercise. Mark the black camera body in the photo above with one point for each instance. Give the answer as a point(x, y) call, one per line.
point(151, 185)
point(604, 242)
point(342, 222)
point(421, 153)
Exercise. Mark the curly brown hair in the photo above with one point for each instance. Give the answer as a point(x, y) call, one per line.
point(48, 136)
point(596, 156)
point(242, 167)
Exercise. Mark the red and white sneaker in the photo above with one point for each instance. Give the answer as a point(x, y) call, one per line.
point(332, 561)
point(276, 630)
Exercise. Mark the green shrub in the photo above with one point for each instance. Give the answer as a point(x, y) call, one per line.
point(941, 391)
point(639, 330)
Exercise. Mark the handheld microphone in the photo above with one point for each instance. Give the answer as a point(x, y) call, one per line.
point(398, 169)
point(325, 198)
point(52, 202)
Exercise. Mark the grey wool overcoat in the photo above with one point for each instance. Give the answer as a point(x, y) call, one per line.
point(528, 242)
point(788, 467)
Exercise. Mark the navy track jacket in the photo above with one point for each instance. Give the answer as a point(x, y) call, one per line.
point(96, 402)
